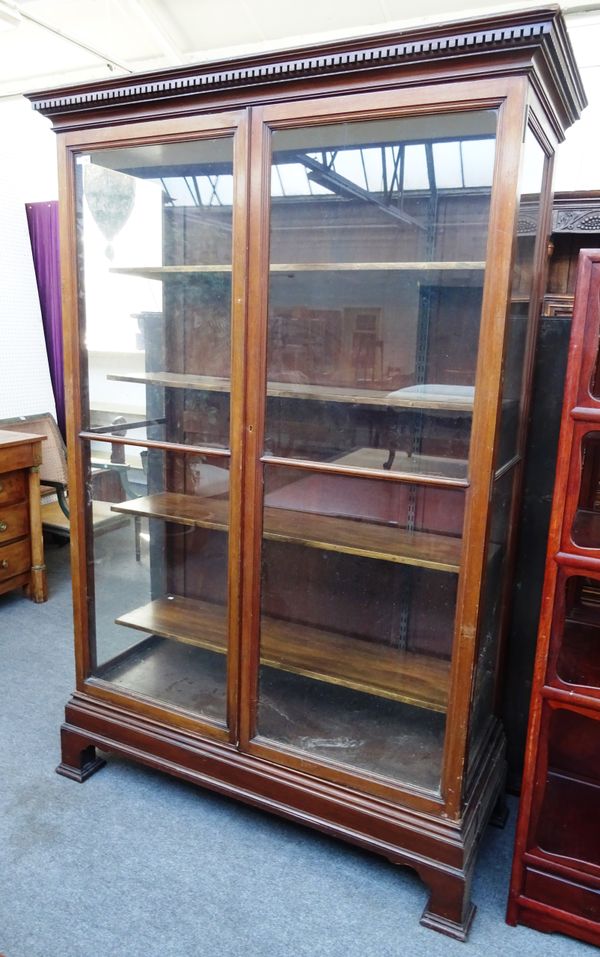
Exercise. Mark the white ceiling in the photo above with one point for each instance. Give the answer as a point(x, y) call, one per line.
point(56, 42)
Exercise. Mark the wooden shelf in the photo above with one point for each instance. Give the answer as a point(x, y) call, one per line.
point(189, 271)
point(177, 380)
point(568, 825)
point(363, 666)
point(455, 398)
point(427, 266)
point(417, 464)
point(368, 540)
point(169, 272)
point(434, 397)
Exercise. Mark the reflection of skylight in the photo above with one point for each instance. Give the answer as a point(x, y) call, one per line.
point(216, 190)
point(478, 162)
point(415, 167)
point(224, 190)
point(386, 170)
point(373, 166)
point(292, 177)
point(348, 163)
point(448, 166)
point(178, 190)
point(393, 166)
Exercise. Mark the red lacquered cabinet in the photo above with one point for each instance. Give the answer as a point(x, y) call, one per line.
point(556, 871)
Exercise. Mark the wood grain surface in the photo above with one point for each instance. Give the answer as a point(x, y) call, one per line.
point(289, 646)
point(386, 542)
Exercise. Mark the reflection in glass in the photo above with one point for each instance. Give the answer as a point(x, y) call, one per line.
point(160, 576)
point(586, 524)
point(493, 606)
point(531, 181)
point(568, 820)
point(579, 653)
point(378, 245)
point(490, 619)
point(155, 228)
point(358, 600)
point(595, 379)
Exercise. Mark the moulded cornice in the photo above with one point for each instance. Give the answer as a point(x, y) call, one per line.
point(538, 36)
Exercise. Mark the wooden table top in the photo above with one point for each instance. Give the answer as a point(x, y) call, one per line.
point(8, 438)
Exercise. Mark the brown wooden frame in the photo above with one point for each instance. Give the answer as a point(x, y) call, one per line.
point(549, 891)
point(520, 64)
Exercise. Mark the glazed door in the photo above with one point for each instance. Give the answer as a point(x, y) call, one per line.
point(369, 310)
point(158, 442)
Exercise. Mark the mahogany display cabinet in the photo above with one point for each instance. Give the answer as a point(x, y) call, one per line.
point(299, 284)
point(556, 869)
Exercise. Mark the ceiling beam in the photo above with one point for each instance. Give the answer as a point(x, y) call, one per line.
point(147, 13)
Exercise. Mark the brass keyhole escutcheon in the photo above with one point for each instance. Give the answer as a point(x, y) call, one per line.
point(4, 563)
point(3, 526)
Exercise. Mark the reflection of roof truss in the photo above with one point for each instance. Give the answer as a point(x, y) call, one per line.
point(326, 176)
point(382, 174)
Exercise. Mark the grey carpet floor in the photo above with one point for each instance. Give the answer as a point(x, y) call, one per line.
point(136, 864)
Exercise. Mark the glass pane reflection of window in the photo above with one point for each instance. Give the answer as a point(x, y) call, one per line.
point(376, 292)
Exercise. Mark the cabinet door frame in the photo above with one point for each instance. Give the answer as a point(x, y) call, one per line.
point(249, 300)
point(151, 132)
point(509, 96)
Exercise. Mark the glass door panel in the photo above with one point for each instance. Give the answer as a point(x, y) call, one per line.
point(568, 820)
point(531, 184)
point(377, 259)
point(585, 531)
point(378, 244)
point(578, 631)
point(155, 268)
point(359, 584)
point(159, 555)
point(155, 231)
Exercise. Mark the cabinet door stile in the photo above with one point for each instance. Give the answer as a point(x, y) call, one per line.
point(547, 143)
point(239, 294)
point(503, 214)
point(258, 260)
point(82, 571)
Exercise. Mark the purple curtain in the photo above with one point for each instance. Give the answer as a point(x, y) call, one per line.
point(43, 231)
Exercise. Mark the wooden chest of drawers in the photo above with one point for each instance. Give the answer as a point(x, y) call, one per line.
point(21, 543)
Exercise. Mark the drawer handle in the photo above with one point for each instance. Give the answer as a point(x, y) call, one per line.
point(3, 526)
point(4, 563)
